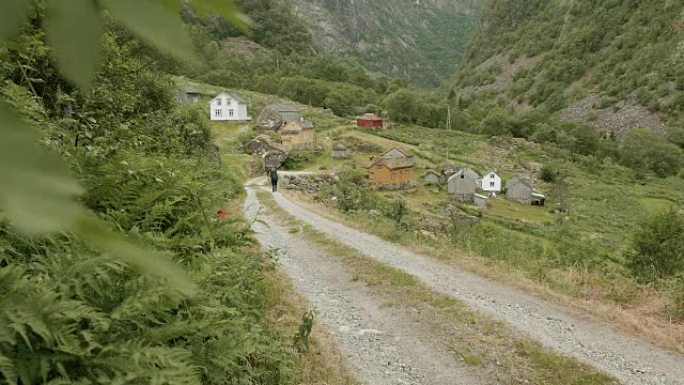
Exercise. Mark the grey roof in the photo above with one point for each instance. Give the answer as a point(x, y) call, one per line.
point(469, 173)
point(393, 163)
point(515, 180)
point(238, 98)
point(232, 96)
point(304, 123)
point(339, 146)
point(282, 108)
point(369, 116)
point(190, 90)
point(404, 153)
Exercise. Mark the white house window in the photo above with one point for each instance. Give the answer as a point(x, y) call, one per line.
point(218, 113)
point(492, 176)
point(491, 184)
point(218, 101)
point(231, 112)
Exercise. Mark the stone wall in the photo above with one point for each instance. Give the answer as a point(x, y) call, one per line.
point(308, 183)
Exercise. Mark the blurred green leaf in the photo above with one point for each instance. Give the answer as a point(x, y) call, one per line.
point(37, 193)
point(224, 8)
point(154, 22)
point(12, 16)
point(74, 30)
point(147, 261)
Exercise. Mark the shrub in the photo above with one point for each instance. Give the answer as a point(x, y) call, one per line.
point(643, 150)
point(675, 135)
point(658, 247)
point(547, 174)
point(396, 210)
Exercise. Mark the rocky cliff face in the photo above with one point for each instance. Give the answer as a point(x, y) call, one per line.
point(419, 40)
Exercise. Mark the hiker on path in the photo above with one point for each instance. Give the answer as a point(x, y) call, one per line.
point(273, 174)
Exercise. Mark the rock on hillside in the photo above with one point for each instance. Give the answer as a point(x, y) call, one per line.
point(420, 40)
point(613, 64)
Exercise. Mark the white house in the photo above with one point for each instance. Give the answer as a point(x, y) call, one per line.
point(228, 107)
point(491, 182)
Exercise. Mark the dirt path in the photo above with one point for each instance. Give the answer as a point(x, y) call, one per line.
point(632, 361)
point(379, 346)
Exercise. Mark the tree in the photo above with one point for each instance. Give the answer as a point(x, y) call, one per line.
point(561, 191)
point(401, 105)
point(658, 247)
point(341, 102)
point(675, 135)
point(643, 150)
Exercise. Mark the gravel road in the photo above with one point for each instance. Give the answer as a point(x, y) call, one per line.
point(380, 343)
point(631, 360)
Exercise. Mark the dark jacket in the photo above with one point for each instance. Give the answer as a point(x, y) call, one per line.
point(274, 175)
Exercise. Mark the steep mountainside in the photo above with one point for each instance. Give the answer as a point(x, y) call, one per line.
point(421, 41)
point(616, 64)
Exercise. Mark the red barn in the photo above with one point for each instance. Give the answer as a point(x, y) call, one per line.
point(370, 120)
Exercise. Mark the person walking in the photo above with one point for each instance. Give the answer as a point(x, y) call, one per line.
point(273, 174)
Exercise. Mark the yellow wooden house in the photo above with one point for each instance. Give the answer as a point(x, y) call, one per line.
point(391, 171)
point(298, 135)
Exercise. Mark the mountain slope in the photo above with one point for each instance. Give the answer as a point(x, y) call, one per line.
point(615, 64)
point(421, 41)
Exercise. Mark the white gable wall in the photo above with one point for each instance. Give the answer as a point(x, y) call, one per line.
point(225, 108)
point(491, 182)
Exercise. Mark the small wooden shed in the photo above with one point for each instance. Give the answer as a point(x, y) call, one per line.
point(463, 184)
point(369, 121)
point(432, 177)
point(396, 153)
point(341, 151)
point(390, 171)
point(275, 116)
point(480, 201)
point(521, 191)
point(188, 95)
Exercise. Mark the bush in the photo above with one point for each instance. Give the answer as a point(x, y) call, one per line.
point(658, 247)
point(675, 135)
point(396, 211)
point(643, 150)
point(547, 174)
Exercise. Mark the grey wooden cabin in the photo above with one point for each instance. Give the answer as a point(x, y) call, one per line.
point(519, 190)
point(432, 178)
point(464, 184)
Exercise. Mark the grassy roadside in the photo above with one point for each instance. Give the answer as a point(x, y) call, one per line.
point(473, 339)
point(322, 363)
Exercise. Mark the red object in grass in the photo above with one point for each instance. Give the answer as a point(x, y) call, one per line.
point(222, 214)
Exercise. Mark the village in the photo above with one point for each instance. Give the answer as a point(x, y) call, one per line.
point(283, 132)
